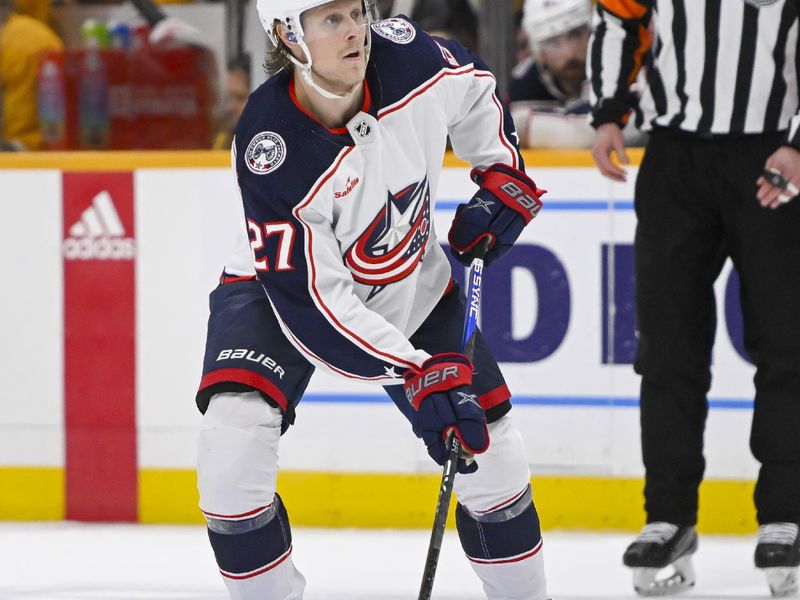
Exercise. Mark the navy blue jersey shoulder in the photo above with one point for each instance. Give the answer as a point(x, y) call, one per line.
point(404, 56)
point(280, 150)
point(527, 84)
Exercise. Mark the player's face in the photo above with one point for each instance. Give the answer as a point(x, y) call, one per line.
point(565, 55)
point(335, 34)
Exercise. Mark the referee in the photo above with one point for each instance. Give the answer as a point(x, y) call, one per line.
point(718, 179)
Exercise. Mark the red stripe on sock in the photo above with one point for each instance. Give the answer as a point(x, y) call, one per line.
point(239, 516)
point(503, 561)
point(257, 572)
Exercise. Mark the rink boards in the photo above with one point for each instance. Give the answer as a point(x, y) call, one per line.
point(109, 258)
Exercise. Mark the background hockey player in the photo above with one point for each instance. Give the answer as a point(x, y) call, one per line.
point(719, 178)
point(336, 157)
point(558, 35)
point(549, 89)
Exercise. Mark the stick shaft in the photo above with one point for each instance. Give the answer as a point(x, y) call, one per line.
point(473, 305)
point(454, 446)
point(151, 12)
point(440, 520)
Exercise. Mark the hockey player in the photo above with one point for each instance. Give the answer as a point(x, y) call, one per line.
point(558, 33)
point(549, 89)
point(337, 157)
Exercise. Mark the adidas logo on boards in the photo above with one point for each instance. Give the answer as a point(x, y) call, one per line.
point(99, 234)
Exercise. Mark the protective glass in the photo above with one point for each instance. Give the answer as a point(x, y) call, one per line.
point(339, 20)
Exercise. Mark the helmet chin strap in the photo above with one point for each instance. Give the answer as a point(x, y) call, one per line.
point(305, 71)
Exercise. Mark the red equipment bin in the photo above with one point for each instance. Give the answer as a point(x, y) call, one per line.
point(145, 98)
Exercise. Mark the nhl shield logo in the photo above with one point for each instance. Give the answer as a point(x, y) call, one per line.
point(363, 129)
point(397, 30)
point(265, 153)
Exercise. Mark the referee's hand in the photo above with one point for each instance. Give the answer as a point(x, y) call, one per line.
point(609, 139)
point(781, 181)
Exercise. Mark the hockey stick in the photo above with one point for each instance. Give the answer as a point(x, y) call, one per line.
point(151, 12)
point(454, 445)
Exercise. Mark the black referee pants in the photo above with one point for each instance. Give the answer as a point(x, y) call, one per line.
point(696, 204)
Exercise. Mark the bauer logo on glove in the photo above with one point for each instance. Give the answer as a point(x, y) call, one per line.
point(507, 201)
point(525, 201)
point(443, 399)
point(444, 377)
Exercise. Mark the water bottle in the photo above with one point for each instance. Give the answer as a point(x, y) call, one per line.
point(93, 114)
point(119, 35)
point(94, 34)
point(50, 101)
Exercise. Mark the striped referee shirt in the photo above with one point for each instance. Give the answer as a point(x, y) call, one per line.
point(713, 67)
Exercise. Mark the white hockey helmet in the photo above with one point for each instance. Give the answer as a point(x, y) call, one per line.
point(288, 12)
point(545, 19)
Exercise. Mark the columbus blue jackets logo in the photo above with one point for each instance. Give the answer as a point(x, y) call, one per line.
point(397, 30)
point(393, 244)
point(265, 153)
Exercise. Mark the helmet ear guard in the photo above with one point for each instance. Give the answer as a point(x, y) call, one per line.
point(294, 31)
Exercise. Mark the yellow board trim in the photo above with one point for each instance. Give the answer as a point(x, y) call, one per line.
point(370, 500)
point(204, 159)
point(116, 160)
point(405, 501)
point(32, 493)
point(168, 496)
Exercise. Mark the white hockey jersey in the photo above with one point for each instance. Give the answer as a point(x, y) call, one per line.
point(339, 220)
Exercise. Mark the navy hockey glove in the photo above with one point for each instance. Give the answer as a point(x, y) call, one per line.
point(507, 201)
point(443, 399)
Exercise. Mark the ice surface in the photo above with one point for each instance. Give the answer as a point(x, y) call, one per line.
point(72, 561)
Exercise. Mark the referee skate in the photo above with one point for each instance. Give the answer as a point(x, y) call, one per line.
point(661, 559)
point(778, 555)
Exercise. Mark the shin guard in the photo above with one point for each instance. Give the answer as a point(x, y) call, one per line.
point(504, 548)
point(254, 554)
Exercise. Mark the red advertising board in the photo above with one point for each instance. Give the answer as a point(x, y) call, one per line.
point(99, 253)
